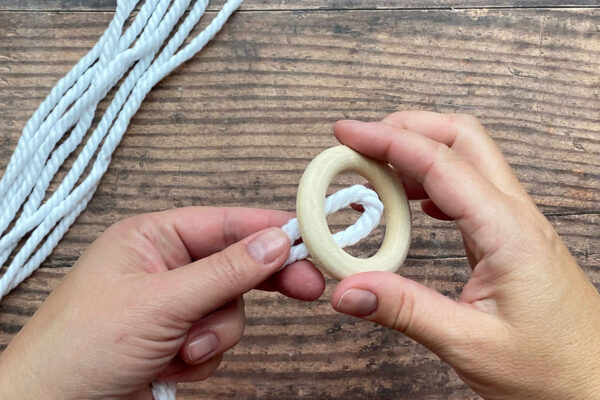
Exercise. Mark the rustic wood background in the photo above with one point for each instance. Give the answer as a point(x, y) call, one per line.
point(238, 123)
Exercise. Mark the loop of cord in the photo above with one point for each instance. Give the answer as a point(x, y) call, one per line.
point(357, 194)
point(131, 60)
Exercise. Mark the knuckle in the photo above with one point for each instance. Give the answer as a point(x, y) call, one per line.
point(440, 154)
point(238, 323)
point(121, 235)
point(547, 232)
point(239, 334)
point(403, 315)
point(441, 150)
point(396, 119)
point(138, 239)
point(116, 229)
point(240, 306)
point(128, 225)
point(228, 230)
point(538, 237)
point(229, 267)
point(546, 236)
point(469, 125)
point(465, 120)
point(241, 303)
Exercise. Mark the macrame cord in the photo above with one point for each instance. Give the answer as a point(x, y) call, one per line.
point(132, 61)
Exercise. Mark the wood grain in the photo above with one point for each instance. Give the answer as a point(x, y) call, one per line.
point(278, 5)
point(237, 125)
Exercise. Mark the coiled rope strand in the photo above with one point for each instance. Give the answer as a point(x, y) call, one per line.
point(65, 198)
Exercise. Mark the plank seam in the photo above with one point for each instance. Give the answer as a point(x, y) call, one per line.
point(359, 9)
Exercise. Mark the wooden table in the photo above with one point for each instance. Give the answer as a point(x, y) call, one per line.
point(238, 123)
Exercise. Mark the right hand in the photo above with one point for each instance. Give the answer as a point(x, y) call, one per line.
point(527, 324)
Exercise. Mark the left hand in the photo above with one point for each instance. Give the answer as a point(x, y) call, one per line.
point(157, 295)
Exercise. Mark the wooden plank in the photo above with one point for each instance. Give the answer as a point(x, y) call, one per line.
point(110, 5)
point(238, 123)
point(531, 76)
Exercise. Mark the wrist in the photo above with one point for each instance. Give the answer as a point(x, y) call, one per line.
point(20, 380)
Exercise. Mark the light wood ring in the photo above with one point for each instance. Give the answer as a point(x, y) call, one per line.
point(310, 207)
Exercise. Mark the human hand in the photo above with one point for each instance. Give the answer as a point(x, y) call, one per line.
point(157, 295)
point(527, 324)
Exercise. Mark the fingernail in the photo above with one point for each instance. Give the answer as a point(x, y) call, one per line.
point(268, 246)
point(357, 302)
point(202, 346)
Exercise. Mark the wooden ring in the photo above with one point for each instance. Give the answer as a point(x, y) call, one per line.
point(310, 207)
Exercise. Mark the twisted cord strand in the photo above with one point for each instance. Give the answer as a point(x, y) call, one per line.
point(59, 155)
point(61, 201)
point(107, 76)
point(23, 149)
point(357, 194)
point(47, 216)
point(29, 157)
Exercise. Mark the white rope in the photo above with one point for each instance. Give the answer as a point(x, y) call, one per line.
point(357, 194)
point(31, 156)
point(138, 58)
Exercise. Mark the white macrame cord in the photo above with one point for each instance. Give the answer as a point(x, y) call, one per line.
point(131, 61)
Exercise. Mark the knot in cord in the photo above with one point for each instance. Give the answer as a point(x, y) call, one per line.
point(357, 194)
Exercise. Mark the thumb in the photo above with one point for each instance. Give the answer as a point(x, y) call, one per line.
point(423, 314)
point(199, 288)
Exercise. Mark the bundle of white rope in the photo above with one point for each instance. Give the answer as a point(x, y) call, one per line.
point(131, 61)
point(71, 105)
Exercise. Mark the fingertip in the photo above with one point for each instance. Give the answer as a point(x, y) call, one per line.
point(301, 281)
point(361, 280)
point(433, 211)
point(269, 247)
point(357, 302)
point(414, 190)
point(194, 373)
point(344, 127)
point(345, 122)
point(269, 285)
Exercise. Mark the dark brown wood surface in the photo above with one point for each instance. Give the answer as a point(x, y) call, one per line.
point(264, 5)
point(238, 123)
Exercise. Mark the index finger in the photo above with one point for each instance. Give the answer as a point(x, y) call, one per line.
point(178, 236)
point(454, 185)
point(467, 137)
point(207, 230)
point(182, 235)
